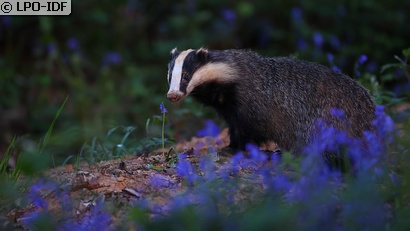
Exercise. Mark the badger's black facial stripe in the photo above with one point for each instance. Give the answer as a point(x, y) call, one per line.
point(191, 64)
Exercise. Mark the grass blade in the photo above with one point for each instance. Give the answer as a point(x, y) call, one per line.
point(46, 139)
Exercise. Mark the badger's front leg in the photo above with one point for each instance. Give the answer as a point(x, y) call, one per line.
point(236, 143)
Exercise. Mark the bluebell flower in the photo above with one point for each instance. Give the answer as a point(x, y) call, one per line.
point(111, 58)
point(162, 108)
point(65, 200)
point(364, 211)
point(210, 129)
point(296, 14)
point(276, 158)
point(338, 113)
point(337, 69)
point(35, 193)
point(159, 181)
point(72, 44)
point(229, 15)
point(394, 179)
point(335, 42)
point(255, 154)
point(185, 170)
point(362, 59)
point(282, 183)
point(318, 39)
point(301, 44)
point(383, 123)
point(371, 66)
point(330, 58)
point(208, 168)
point(236, 162)
point(98, 219)
point(51, 48)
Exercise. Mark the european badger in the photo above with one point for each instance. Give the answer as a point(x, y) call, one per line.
point(269, 99)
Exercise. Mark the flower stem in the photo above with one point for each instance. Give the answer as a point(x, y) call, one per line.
point(162, 133)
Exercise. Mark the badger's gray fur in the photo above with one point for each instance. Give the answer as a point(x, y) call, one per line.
point(269, 99)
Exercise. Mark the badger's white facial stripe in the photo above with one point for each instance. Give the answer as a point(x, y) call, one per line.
point(177, 71)
point(212, 72)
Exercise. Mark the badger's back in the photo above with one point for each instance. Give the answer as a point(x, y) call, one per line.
point(279, 99)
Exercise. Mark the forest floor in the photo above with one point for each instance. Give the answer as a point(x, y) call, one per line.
point(123, 182)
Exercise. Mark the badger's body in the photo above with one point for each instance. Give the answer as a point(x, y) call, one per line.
point(269, 99)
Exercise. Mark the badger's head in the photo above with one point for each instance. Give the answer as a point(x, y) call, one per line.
point(191, 68)
point(181, 69)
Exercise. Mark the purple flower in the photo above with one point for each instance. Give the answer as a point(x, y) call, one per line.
point(36, 190)
point(318, 39)
point(112, 58)
point(235, 163)
point(162, 108)
point(371, 66)
point(330, 57)
point(362, 59)
point(229, 15)
point(159, 181)
point(255, 153)
point(73, 44)
point(336, 69)
point(296, 14)
point(208, 168)
point(394, 179)
point(65, 200)
point(383, 123)
point(184, 169)
point(51, 47)
point(335, 42)
point(281, 183)
point(338, 113)
point(210, 129)
point(98, 219)
point(302, 44)
point(365, 210)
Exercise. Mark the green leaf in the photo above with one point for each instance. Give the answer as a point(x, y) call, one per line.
point(4, 161)
point(147, 125)
point(111, 131)
point(388, 66)
point(44, 143)
point(406, 52)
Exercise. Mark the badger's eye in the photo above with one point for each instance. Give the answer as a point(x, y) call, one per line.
point(185, 76)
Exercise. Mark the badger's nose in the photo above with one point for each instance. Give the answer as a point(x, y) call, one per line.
point(175, 96)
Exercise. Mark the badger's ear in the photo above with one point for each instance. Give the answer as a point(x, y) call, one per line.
point(174, 52)
point(202, 54)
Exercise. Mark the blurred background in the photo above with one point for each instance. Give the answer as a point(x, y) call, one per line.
point(110, 58)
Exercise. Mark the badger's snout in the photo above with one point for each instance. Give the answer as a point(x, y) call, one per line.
point(175, 96)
